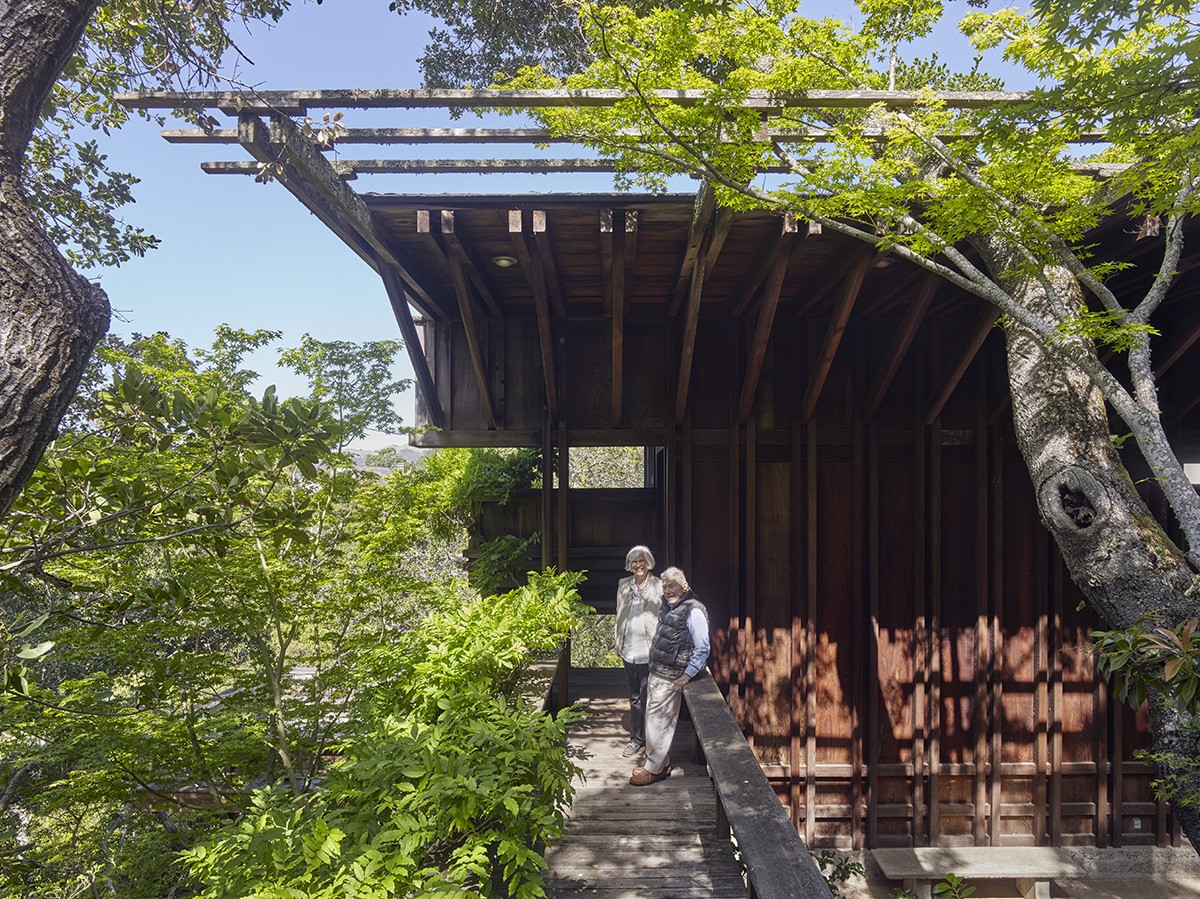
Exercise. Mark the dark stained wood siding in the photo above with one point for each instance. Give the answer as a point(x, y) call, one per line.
point(893, 627)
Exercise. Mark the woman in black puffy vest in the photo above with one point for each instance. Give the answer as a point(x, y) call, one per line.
point(677, 654)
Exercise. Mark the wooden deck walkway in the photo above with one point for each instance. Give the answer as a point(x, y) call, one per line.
point(637, 842)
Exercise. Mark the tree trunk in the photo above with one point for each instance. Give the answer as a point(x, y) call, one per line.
point(1116, 552)
point(50, 317)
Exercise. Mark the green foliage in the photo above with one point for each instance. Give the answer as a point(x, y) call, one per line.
point(608, 466)
point(127, 45)
point(592, 643)
point(1149, 657)
point(1112, 329)
point(497, 564)
point(837, 869)
point(355, 379)
point(449, 786)
point(953, 887)
point(208, 578)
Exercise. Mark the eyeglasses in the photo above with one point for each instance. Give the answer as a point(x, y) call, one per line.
point(671, 585)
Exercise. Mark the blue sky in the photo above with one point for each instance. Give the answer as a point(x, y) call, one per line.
point(249, 255)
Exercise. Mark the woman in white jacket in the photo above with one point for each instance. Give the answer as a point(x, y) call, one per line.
point(638, 601)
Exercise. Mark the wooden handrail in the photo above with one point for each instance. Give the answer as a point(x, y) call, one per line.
point(778, 865)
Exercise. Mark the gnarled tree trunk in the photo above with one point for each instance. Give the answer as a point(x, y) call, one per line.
point(1116, 552)
point(50, 317)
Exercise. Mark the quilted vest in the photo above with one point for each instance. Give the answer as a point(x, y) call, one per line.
point(671, 649)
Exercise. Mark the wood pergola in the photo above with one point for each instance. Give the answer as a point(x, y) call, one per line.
point(830, 452)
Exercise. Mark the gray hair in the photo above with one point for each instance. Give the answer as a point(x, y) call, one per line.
point(676, 575)
point(639, 552)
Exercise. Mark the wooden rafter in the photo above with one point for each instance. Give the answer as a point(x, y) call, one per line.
point(881, 297)
point(536, 275)
point(399, 301)
point(984, 322)
point(762, 334)
point(832, 273)
point(784, 245)
point(903, 338)
point(465, 257)
point(466, 311)
point(721, 226)
point(541, 239)
point(851, 286)
point(687, 348)
point(308, 176)
point(702, 214)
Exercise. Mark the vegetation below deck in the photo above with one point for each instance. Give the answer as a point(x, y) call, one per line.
point(234, 664)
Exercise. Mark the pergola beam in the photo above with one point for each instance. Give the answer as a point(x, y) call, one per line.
point(452, 136)
point(301, 102)
point(308, 176)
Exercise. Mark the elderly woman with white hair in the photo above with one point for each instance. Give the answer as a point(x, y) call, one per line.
point(638, 599)
point(678, 653)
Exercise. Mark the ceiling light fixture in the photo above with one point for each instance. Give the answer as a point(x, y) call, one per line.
point(504, 261)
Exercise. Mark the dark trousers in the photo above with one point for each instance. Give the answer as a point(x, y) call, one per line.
point(637, 677)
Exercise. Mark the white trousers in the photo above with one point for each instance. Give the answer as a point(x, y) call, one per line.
point(662, 714)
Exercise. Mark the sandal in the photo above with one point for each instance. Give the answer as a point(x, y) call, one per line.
point(643, 778)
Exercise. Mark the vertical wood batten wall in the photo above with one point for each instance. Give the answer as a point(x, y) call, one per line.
point(892, 624)
point(904, 648)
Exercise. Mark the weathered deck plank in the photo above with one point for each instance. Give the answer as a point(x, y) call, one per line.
point(643, 842)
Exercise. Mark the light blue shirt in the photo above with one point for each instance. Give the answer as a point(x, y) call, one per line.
point(697, 625)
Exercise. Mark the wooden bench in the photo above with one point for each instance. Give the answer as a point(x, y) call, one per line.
point(1032, 867)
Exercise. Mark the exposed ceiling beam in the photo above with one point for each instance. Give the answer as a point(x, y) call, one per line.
point(899, 286)
point(762, 334)
point(308, 176)
point(412, 345)
point(984, 322)
point(832, 273)
point(541, 239)
point(702, 214)
point(851, 285)
point(536, 276)
point(687, 348)
point(466, 308)
point(618, 319)
point(465, 257)
point(785, 245)
point(901, 341)
point(724, 221)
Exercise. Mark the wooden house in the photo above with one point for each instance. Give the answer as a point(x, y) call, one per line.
point(829, 456)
